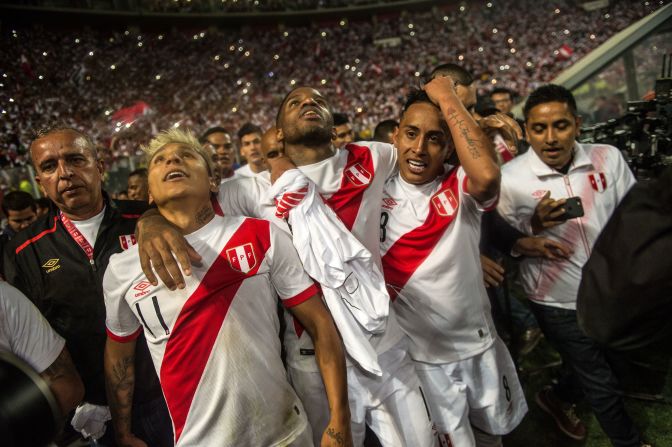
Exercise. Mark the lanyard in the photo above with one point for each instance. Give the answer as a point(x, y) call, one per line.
point(79, 238)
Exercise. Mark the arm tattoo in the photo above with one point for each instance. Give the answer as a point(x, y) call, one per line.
point(205, 214)
point(336, 436)
point(473, 144)
point(61, 368)
point(120, 386)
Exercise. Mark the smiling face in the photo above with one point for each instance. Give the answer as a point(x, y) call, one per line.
point(305, 118)
point(68, 173)
point(552, 129)
point(177, 171)
point(421, 141)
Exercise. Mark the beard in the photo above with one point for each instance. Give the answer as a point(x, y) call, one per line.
point(312, 136)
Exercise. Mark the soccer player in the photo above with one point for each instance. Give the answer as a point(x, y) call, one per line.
point(214, 343)
point(351, 180)
point(430, 234)
point(249, 136)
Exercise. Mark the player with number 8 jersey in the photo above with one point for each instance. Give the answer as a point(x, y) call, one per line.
point(214, 343)
point(430, 234)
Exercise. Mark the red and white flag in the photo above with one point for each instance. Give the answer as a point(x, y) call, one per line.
point(358, 175)
point(242, 258)
point(565, 52)
point(598, 181)
point(445, 203)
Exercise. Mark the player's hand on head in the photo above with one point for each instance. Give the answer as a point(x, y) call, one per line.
point(163, 250)
point(493, 272)
point(441, 89)
point(546, 214)
point(337, 435)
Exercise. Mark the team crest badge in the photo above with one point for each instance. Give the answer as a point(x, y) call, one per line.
point(357, 175)
point(445, 203)
point(242, 258)
point(598, 181)
point(127, 241)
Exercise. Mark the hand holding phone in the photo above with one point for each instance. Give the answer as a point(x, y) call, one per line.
point(573, 209)
point(550, 213)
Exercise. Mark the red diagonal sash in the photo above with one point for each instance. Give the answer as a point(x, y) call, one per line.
point(346, 201)
point(196, 328)
point(405, 256)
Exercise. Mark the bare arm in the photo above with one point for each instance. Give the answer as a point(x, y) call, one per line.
point(315, 317)
point(64, 382)
point(473, 146)
point(163, 249)
point(120, 384)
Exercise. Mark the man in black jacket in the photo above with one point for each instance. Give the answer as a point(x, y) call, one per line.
point(59, 264)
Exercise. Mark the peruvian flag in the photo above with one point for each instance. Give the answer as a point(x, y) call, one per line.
point(358, 175)
point(598, 181)
point(565, 52)
point(129, 114)
point(445, 203)
point(242, 258)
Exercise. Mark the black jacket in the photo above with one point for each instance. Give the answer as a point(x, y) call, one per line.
point(47, 265)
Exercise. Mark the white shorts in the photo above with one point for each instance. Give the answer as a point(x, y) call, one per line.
point(392, 405)
point(482, 391)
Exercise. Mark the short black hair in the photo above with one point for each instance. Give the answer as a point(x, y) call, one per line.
point(249, 128)
point(207, 133)
point(415, 95)
point(340, 119)
point(550, 93)
point(17, 201)
point(43, 202)
point(383, 128)
point(61, 127)
point(140, 172)
point(500, 90)
point(459, 74)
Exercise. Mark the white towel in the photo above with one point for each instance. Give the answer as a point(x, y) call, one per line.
point(90, 420)
point(352, 284)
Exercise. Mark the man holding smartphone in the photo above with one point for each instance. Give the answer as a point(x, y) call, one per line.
point(567, 191)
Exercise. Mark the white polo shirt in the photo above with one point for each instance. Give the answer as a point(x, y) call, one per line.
point(600, 176)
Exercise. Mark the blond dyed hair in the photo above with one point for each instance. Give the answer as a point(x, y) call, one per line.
point(181, 137)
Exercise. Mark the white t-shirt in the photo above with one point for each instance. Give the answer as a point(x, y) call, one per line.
point(598, 175)
point(25, 332)
point(215, 343)
point(430, 246)
point(351, 182)
point(246, 171)
point(89, 227)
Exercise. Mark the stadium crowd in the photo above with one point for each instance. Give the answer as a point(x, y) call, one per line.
point(233, 76)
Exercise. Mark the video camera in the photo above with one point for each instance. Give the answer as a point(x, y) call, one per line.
point(644, 133)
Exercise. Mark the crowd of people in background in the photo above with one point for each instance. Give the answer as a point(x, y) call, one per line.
point(209, 76)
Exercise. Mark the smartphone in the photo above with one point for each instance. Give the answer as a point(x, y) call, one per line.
point(573, 208)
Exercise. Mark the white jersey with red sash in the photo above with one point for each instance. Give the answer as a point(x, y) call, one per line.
point(215, 343)
point(430, 246)
point(351, 182)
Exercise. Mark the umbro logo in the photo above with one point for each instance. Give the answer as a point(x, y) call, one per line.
point(141, 288)
point(51, 265)
point(389, 203)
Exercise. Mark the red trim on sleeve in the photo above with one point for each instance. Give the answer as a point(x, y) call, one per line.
point(301, 297)
point(131, 216)
point(36, 238)
point(123, 339)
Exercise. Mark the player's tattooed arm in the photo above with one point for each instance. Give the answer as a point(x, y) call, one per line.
point(64, 382)
point(335, 437)
point(120, 384)
point(473, 147)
